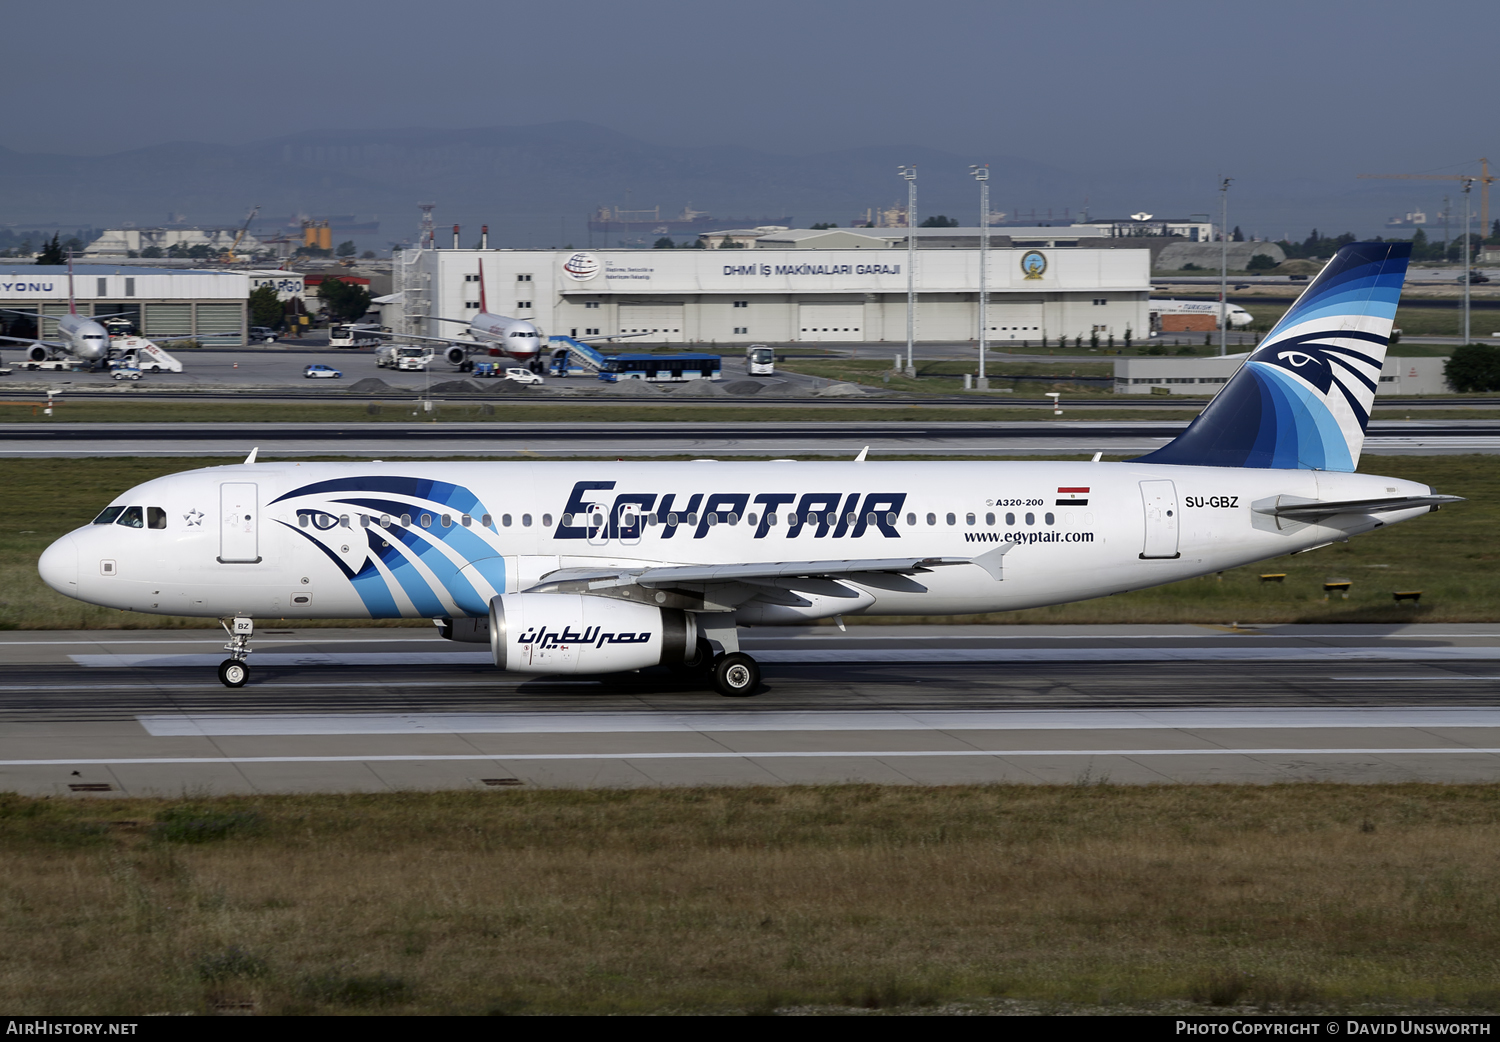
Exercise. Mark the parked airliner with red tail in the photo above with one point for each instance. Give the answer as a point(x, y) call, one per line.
point(603, 567)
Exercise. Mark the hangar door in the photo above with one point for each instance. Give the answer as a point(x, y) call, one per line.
point(830, 321)
point(1015, 321)
point(663, 321)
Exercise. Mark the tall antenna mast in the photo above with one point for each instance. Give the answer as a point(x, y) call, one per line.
point(425, 239)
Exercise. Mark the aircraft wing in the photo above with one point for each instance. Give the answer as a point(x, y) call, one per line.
point(774, 572)
point(1297, 509)
point(415, 336)
point(45, 343)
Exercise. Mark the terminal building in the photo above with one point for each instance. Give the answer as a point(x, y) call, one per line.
point(163, 303)
point(733, 297)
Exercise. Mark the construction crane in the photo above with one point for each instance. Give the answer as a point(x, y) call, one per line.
point(229, 256)
point(1484, 180)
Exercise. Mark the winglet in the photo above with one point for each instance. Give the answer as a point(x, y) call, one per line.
point(251, 458)
point(993, 561)
point(862, 453)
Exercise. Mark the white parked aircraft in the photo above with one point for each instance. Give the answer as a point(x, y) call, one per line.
point(80, 336)
point(488, 333)
point(602, 567)
point(493, 335)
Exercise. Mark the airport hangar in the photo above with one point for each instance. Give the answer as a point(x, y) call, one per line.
point(164, 303)
point(764, 295)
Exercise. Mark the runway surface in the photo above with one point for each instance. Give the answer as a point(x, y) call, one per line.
point(141, 713)
point(639, 440)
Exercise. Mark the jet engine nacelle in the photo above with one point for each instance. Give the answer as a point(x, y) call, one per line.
point(37, 353)
point(457, 356)
point(576, 633)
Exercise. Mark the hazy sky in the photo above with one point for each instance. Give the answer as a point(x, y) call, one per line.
point(1269, 90)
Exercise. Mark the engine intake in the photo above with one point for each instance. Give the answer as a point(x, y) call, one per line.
point(457, 356)
point(576, 633)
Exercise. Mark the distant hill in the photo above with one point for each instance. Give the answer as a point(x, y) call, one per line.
point(537, 185)
point(485, 175)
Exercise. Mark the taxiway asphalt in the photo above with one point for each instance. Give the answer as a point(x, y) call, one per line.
point(502, 440)
point(141, 713)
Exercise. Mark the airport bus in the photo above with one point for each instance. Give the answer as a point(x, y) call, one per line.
point(352, 335)
point(660, 368)
point(760, 360)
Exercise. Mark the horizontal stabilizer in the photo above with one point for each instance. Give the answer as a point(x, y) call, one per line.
point(1311, 510)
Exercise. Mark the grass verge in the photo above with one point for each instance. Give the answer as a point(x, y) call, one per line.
point(753, 900)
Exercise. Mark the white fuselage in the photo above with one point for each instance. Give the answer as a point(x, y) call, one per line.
point(83, 338)
point(433, 540)
point(512, 336)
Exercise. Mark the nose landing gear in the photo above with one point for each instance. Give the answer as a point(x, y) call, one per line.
point(234, 671)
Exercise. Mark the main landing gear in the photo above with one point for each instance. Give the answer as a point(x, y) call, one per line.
point(234, 671)
point(736, 675)
point(733, 673)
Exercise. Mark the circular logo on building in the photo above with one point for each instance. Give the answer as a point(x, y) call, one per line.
point(1034, 263)
point(581, 267)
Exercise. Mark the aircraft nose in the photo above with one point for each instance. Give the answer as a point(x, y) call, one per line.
point(58, 566)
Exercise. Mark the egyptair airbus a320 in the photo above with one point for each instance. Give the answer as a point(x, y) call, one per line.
point(603, 567)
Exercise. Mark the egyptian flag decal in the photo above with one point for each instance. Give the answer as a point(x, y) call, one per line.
point(1073, 497)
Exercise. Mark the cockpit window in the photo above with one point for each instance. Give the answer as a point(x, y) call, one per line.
point(108, 516)
point(156, 517)
point(130, 517)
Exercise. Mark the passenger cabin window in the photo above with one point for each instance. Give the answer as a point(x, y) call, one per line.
point(130, 517)
point(156, 517)
point(107, 517)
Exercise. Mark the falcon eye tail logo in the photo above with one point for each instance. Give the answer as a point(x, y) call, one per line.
point(1297, 359)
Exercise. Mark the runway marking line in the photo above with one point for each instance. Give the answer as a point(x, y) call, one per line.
point(839, 754)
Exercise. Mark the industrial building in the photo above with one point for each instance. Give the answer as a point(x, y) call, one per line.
point(163, 303)
point(780, 295)
point(1205, 376)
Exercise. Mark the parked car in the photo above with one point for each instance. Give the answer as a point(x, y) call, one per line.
point(321, 372)
point(126, 372)
point(523, 376)
point(265, 334)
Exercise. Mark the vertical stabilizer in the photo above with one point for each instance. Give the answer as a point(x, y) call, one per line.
point(484, 307)
point(72, 304)
point(1302, 399)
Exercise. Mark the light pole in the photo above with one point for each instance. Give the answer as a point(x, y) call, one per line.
point(1467, 185)
point(1224, 265)
point(982, 175)
point(909, 175)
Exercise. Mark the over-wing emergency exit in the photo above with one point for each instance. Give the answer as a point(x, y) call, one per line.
point(565, 568)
